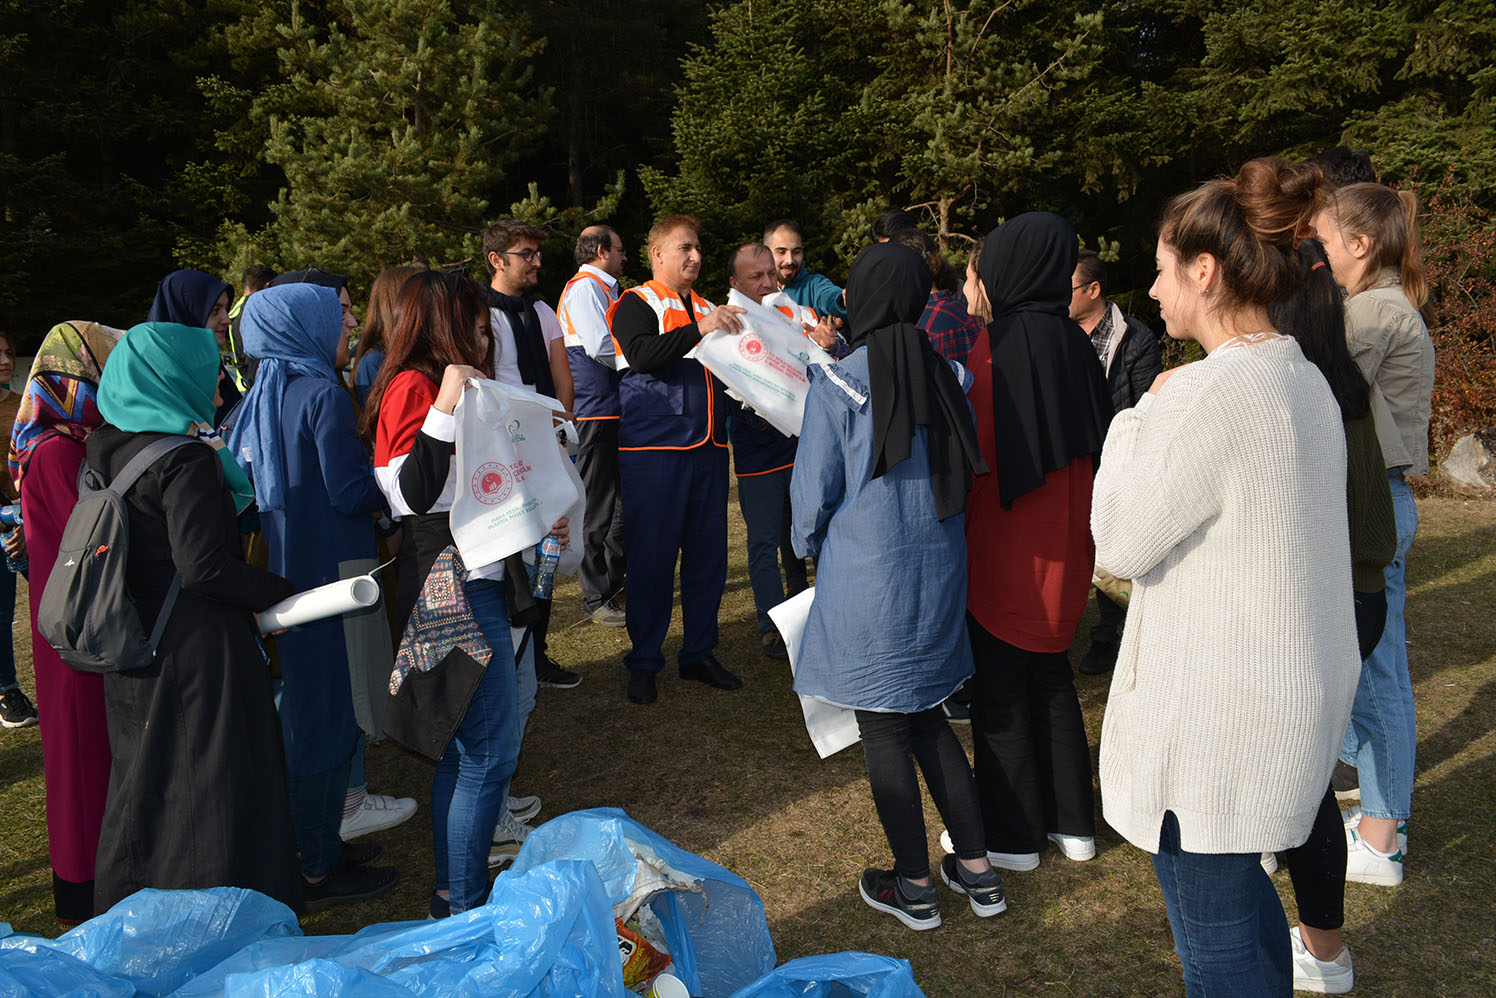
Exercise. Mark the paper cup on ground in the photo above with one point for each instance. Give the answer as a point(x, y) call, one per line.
point(668, 986)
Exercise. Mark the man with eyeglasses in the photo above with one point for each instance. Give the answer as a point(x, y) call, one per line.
point(1130, 356)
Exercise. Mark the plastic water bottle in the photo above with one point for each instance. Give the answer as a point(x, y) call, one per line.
point(547, 554)
point(10, 519)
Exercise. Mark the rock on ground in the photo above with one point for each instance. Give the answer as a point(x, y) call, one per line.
point(1471, 463)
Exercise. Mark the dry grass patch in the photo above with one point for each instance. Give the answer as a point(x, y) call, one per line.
point(733, 776)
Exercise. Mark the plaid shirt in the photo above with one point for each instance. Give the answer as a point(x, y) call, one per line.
point(1101, 336)
point(950, 328)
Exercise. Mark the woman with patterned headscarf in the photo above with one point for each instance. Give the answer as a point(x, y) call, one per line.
point(197, 790)
point(58, 412)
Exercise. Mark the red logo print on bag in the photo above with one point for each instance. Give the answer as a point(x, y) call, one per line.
point(751, 347)
point(492, 483)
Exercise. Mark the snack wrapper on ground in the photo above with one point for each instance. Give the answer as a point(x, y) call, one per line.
point(642, 959)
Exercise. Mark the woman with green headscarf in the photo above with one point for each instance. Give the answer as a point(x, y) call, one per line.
point(197, 789)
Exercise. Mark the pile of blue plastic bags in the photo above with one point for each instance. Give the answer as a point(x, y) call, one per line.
point(547, 931)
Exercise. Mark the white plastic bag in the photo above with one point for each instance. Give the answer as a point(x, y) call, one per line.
point(765, 364)
point(570, 561)
point(512, 481)
point(831, 728)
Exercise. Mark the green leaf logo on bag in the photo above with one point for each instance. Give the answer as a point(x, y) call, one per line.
point(492, 483)
point(515, 436)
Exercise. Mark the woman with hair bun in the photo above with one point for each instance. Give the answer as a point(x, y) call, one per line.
point(1222, 496)
point(1370, 234)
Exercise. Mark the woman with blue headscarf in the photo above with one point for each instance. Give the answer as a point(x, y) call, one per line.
point(194, 298)
point(296, 434)
point(197, 790)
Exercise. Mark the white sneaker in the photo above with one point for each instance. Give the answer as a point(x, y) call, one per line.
point(1077, 847)
point(378, 812)
point(1353, 820)
point(1325, 977)
point(1270, 863)
point(508, 837)
point(1017, 861)
point(1366, 867)
point(524, 808)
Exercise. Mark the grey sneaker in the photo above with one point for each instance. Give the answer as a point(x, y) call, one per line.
point(885, 890)
point(508, 837)
point(984, 891)
point(16, 710)
point(610, 614)
point(524, 807)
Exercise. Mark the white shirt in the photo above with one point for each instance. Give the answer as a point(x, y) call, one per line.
point(506, 354)
point(584, 307)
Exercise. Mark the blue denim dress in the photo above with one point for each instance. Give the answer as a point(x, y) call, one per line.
point(887, 630)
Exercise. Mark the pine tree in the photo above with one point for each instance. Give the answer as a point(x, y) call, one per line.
point(393, 128)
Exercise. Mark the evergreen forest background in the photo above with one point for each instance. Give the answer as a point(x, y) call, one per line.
point(137, 136)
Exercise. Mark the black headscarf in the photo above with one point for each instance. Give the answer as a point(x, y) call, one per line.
point(187, 297)
point(1049, 394)
point(312, 275)
point(529, 342)
point(910, 384)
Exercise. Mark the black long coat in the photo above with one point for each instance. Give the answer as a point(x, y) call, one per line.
point(197, 790)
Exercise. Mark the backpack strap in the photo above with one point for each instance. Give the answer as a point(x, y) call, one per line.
point(149, 455)
point(133, 469)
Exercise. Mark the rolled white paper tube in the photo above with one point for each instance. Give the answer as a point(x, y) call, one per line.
point(317, 604)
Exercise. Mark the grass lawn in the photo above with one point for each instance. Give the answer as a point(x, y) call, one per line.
point(732, 776)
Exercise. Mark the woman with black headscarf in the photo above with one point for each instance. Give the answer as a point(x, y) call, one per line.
point(887, 452)
point(194, 298)
point(1042, 410)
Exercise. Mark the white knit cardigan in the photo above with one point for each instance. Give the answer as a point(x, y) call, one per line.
point(1223, 499)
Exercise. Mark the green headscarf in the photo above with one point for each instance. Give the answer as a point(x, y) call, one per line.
point(161, 378)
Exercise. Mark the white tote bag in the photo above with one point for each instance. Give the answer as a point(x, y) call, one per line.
point(831, 728)
point(571, 558)
point(512, 481)
point(765, 364)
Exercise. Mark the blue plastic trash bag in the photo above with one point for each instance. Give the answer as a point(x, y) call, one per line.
point(270, 953)
point(158, 940)
point(837, 975)
point(545, 934)
point(43, 973)
point(714, 922)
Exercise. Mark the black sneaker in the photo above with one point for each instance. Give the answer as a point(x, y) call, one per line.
point(642, 686)
point(885, 890)
point(774, 647)
point(361, 853)
point(438, 908)
point(984, 891)
point(1101, 659)
point(16, 710)
point(348, 883)
point(548, 673)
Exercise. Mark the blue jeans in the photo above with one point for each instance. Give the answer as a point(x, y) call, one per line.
point(472, 778)
point(762, 498)
point(1382, 739)
point(316, 817)
point(7, 640)
point(1229, 928)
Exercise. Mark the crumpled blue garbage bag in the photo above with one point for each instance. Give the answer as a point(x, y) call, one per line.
point(546, 934)
point(42, 973)
point(717, 933)
point(157, 940)
point(837, 975)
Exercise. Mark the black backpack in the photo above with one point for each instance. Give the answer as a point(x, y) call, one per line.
point(86, 612)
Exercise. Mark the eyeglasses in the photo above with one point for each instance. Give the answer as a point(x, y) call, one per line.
point(527, 255)
point(1077, 287)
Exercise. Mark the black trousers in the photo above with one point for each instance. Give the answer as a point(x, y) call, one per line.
point(1317, 868)
point(891, 745)
point(1108, 631)
point(602, 571)
point(1033, 766)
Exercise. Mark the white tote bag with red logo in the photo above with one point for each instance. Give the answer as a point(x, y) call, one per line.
point(512, 481)
point(765, 364)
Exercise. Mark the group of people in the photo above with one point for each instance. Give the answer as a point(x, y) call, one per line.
point(971, 452)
